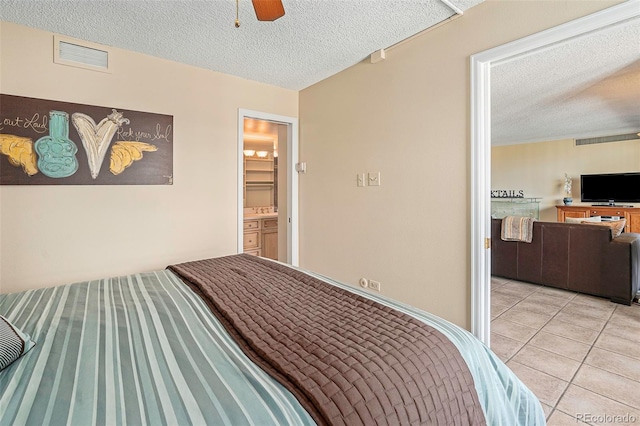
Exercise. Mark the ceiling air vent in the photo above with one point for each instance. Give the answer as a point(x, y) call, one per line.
point(81, 54)
point(605, 139)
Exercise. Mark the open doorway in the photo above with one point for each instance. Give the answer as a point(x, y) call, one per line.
point(267, 186)
point(481, 65)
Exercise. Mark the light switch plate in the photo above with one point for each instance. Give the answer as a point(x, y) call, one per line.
point(361, 179)
point(374, 179)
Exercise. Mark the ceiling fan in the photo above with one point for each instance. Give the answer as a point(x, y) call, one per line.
point(266, 10)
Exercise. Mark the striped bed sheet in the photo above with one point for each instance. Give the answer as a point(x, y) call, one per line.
point(140, 349)
point(145, 349)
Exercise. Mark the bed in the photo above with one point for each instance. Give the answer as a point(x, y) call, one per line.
point(220, 341)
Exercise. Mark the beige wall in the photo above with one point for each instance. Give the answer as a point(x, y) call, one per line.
point(407, 117)
point(59, 234)
point(539, 168)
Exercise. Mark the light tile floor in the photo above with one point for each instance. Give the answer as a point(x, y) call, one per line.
point(580, 355)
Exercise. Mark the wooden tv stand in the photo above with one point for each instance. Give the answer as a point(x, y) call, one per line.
point(632, 214)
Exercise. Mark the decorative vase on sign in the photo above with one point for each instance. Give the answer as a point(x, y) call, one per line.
point(567, 201)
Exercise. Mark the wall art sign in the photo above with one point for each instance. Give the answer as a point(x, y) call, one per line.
point(44, 142)
point(507, 193)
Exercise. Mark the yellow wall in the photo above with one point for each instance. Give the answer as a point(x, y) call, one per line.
point(59, 234)
point(539, 168)
point(407, 117)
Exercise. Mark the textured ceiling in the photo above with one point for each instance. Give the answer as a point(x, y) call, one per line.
point(584, 87)
point(314, 40)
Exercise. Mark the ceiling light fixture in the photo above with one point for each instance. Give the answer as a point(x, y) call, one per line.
point(237, 18)
point(266, 10)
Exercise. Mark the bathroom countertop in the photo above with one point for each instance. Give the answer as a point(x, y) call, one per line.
point(260, 216)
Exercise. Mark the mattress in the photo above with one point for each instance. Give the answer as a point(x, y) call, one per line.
point(145, 349)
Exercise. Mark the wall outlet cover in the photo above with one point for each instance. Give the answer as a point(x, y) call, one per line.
point(374, 285)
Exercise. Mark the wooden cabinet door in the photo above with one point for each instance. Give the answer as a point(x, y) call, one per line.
point(572, 211)
point(633, 222)
point(270, 245)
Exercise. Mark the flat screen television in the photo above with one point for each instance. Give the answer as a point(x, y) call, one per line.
point(610, 188)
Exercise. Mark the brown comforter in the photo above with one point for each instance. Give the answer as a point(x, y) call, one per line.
point(347, 359)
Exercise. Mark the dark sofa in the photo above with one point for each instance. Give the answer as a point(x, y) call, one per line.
point(576, 257)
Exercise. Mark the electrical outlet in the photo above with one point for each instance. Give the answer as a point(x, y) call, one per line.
point(374, 285)
point(363, 282)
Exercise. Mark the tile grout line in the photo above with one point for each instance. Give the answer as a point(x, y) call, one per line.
point(555, 407)
point(592, 345)
point(602, 369)
point(539, 328)
point(582, 362)
point(537, 332)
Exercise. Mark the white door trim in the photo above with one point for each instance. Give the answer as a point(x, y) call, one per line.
point(292, 178)
point(481, 142)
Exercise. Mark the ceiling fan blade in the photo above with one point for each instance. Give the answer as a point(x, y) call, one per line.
point(268, 10)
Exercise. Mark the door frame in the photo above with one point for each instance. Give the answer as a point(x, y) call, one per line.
point(481, 64)
point(292, 178)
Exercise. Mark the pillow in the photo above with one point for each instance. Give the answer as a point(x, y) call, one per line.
point(13, 343)
point(617, 226)
point(583, 219)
